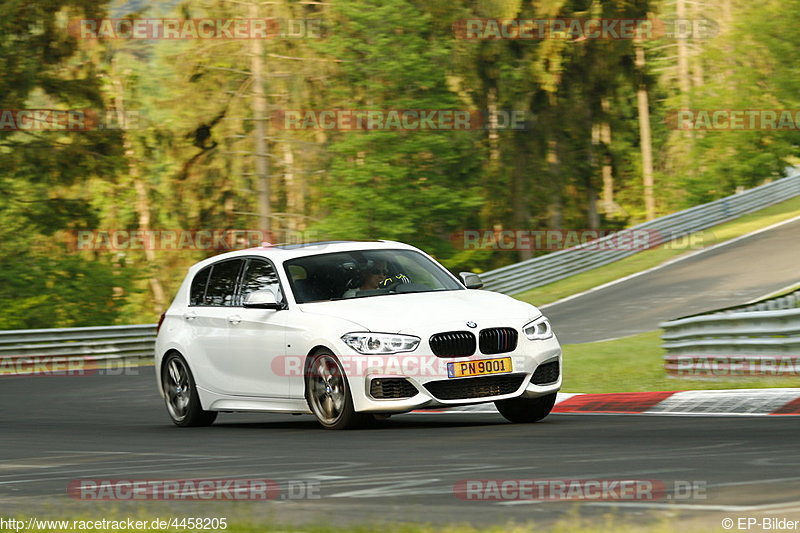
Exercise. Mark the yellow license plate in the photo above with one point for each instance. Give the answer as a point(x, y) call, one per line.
point(479, 368)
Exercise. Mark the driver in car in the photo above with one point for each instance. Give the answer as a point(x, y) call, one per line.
point(391, 281)
point(375, 276)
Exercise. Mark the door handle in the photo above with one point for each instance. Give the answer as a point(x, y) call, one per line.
point(235, 319)
point(191, 315)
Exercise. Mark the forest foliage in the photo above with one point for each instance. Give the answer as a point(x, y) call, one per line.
point(188, 132)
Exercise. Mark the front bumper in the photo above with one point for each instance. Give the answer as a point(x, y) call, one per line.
point(434, 389)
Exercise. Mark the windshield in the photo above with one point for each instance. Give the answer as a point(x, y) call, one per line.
point(365, 273)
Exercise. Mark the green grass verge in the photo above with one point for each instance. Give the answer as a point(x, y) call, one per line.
point(636, 363)
point(651, 258)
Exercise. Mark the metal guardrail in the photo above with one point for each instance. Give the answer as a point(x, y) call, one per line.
point(735, 343)
point(21, 350)
point(786, 300)
point(562, 264)
point(789, 301)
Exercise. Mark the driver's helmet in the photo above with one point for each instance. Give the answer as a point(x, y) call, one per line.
point(354, 274)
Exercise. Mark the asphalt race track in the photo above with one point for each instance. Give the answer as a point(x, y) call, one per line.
point(54, 430)
point(721, 277)
point(59, 429)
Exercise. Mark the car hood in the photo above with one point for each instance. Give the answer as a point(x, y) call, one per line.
point(395, 313)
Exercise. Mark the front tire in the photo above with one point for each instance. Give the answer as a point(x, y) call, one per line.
point(328, 393)
point(180, 394)
point(526, 410)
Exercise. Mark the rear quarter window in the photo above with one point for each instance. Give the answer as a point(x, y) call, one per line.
point(221, 287)
point(198, 289)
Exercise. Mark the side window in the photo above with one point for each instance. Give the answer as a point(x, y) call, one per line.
point(222, 283)
point(198, 289)
point(259, 275)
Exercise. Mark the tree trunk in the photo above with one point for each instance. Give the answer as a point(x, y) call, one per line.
point(684, 84)
point(295, 193)
point(519, 188)
point(604, 131)
point(592, 216)
point(643, 105)
point(260, 130)
point(494, 136)
point(556, 207)
point(142, 204)
point(144, 213)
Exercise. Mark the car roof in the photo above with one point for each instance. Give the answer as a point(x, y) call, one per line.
point(283, 252)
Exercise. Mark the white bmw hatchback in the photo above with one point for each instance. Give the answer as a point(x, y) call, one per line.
point(349, 332)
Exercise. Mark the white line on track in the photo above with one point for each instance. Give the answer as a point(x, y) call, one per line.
point(121, 469)
point(787, 288)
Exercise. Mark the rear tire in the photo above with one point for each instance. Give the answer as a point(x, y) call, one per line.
point(328, 394)
point(526, 410)
point(180, 394)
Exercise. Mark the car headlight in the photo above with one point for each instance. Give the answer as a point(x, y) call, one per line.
point(380, 343)
point(538, 330)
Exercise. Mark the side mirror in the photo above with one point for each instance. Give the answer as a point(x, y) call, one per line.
point(263, 299)
point(470, 280)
